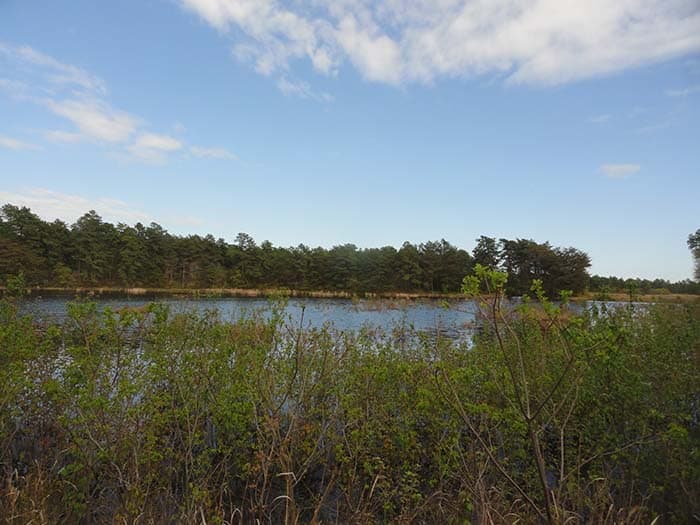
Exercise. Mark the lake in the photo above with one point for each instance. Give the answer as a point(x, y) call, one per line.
point(426, 316)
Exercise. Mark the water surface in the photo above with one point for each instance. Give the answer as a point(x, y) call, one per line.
point(429, 316)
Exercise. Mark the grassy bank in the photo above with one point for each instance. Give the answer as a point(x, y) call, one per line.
point(150, 417)
point(231, 292)
point(324, 294)
point(675, 298)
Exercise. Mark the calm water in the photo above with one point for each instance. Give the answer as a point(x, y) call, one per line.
point(344, 314)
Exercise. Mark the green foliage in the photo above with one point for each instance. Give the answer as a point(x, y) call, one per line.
point(92, 252)
point(487, 252)
point(694, 245)
point(600, 396)
point(484, 279)
point(147, 415)
point(557, 268)
point(16, 285)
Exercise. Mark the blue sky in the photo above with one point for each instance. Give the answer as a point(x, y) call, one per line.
point(326, 122)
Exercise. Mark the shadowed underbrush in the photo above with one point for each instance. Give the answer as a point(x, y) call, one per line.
point(153, 417)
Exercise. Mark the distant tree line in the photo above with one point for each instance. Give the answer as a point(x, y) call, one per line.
point(599, 284)
point(92, 252)
point(602, 285)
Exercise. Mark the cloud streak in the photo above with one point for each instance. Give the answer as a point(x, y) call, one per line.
point(212, 153)
point(599, 119)
point(62, 137)
point(301, 89)
point(153, 148)
point(620, 171)
point(16, 145)
point(52, 70)
point(51, 205)
point(683, 92)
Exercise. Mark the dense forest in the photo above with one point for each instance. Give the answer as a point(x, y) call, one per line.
point(92, 252)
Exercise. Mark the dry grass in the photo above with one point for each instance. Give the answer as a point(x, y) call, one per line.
point(241, 292)
point(676, 298)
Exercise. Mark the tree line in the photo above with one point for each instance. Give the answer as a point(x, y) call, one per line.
point(602, 285)
point(93, 252)
point(599, 284)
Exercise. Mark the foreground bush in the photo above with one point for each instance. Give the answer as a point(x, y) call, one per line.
point(151, 417)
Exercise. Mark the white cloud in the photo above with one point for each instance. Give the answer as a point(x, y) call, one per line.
point(278, 34)
point(376, 55)
point(14, 144)
point(95, 119)
point(52, 70)
point(67, 91)
point(301, 89)
point(153, 148)
point(599, 119)
point(51, 205)
point(683, 92)
point(157, 142)
point(212, 153)
point(620, 171)
point(395, 41)
point(79, 97)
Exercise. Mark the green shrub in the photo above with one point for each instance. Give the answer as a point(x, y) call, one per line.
point(147, 416)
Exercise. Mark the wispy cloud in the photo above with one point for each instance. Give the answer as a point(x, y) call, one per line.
point(212, 153)
point(95, 119)
point(80, 98)
point(683, 92)
point(670, 119)
point(14, 88)
point(651, 128)
point(397, 41)
point(301, 89)
point(599, 119)
point(52, 70)
point(154, 148)
point(62, 137)
point(52, 205)
point(619, 171)
point(14, 144)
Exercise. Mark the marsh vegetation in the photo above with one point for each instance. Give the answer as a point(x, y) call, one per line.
point(150, 416)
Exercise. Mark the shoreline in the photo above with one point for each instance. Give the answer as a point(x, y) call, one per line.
point(622, 297)
point(262, 293)
point(234, 292)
